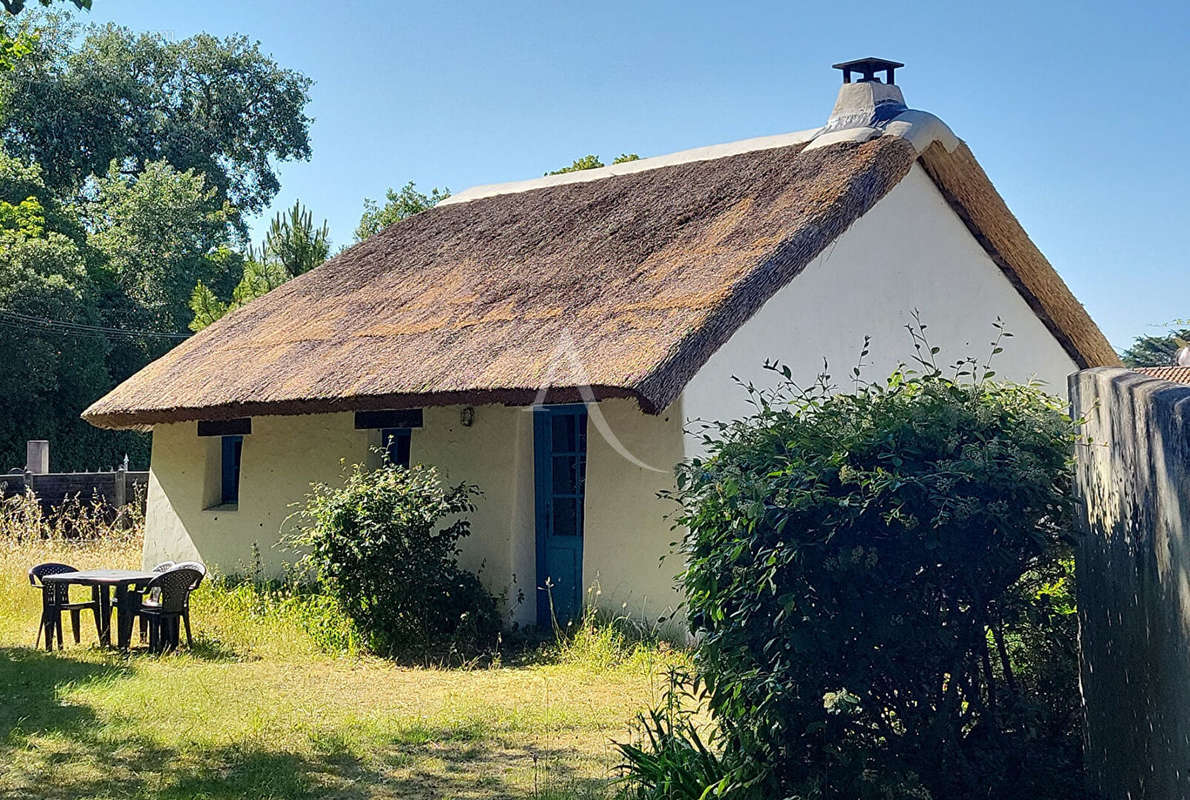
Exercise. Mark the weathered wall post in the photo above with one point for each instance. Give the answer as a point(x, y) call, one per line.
point(120, 498)
point(1133, 574)
point(37, 456)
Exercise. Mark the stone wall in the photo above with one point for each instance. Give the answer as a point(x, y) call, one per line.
point(52, 488)
point(1134, 582)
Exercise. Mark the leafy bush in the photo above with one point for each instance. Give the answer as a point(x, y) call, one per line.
point(382, 547)
point(879, 582)
point(672, 759)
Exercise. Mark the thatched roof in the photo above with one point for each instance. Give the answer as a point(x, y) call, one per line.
point(626, 284)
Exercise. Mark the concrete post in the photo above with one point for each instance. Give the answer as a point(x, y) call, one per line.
point(37, 456)
point(121, 498)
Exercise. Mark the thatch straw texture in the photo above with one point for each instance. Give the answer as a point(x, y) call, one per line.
point(626, 285)
point(623, 284)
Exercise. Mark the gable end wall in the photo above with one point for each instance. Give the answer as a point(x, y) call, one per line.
point(911, 251)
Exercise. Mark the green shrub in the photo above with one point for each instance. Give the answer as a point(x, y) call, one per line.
point(877, 581)
point(672, 758)
point(384, 546)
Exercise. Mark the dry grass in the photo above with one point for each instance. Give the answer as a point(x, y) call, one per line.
point(257, 710)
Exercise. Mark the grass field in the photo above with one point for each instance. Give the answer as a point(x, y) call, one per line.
point(257, 710)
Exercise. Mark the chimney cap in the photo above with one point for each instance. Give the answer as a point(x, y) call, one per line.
point(868, 67)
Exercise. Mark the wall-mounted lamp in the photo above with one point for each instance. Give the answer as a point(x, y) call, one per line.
point(467, 416)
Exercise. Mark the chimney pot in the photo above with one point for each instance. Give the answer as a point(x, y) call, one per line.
point(868, 103)
point(867, 68)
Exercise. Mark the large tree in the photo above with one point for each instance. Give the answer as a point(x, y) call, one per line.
point(58, 358)
point(1155, 351)
point(218, 106)
point(159, 236)
point(127, 163)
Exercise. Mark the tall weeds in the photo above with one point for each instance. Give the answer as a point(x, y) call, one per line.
point(85, 534)
point(603, 640)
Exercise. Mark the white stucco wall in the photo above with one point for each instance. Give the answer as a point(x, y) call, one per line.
point(284, 454)
point(627, 532)
point(909, 252)
point(495, 453)
point(625, 536)
point(280, 459)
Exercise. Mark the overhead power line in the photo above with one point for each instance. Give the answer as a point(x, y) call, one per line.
point(16, 320)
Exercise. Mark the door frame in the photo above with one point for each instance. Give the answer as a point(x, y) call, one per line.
point(543, 416)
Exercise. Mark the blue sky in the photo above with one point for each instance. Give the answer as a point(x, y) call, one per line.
point(1076, 110)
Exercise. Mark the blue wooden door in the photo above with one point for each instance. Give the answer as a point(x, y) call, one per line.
point(560, 477)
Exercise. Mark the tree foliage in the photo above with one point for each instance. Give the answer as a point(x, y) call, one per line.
point(1155, 351)
point(385, 545)
point(205, 307)
point(292, 246)
point(219, 107)
point(879, 585)
point(295, 243)
point(398, 205)
point(160, 232)
point(128, 161)
point(51, 373)
point(13, 48)
point(591, 161)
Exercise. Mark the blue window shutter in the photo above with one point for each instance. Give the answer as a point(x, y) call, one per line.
point(396, 443)
point(233, 447)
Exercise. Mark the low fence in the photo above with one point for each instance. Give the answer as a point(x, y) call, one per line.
point(1133, 570)
point(117, 488)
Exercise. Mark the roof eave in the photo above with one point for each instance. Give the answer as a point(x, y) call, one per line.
point(121, 419)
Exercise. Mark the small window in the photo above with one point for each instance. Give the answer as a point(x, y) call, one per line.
point(396, 445)
point(233, 446)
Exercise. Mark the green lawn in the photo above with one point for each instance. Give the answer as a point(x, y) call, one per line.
point(257, 711)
